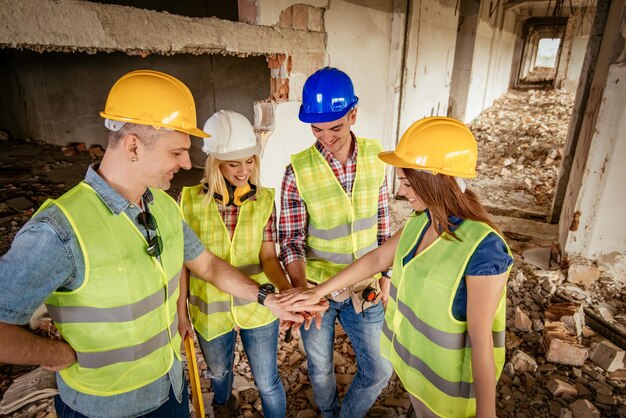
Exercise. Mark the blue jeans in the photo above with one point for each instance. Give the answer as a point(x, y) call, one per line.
point(170, 409)
point(373, 371)
point(261, 347)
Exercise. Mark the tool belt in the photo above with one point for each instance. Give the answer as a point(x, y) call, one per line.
point(356, 293)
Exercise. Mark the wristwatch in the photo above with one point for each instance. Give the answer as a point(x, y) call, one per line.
point(264, 290)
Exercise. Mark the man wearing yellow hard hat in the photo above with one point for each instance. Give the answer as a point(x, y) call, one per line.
point(106, 259)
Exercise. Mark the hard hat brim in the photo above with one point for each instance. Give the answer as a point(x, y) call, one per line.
point(191, 131)
point(195, 132)
point(324, 117)
point(391, 158)
point(235, 155)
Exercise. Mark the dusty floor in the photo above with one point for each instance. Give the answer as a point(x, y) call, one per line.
point(31, 171)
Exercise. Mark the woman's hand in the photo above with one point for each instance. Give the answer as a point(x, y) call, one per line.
point(299, 297)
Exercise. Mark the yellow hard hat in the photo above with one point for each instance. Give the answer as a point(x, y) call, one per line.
point(437, 144)
point(153, 98)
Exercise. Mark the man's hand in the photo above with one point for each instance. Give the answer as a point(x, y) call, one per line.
point(385, 287)
point(300, 298)
point(184, 327)
point(65, 357)
point(286, 310)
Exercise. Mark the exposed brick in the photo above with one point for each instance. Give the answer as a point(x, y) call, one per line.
point(607, 356)
point(566, 352)
point(559, 388)
point(300, 16)
point(582, 408)
point(523, 363)
point(316, 19)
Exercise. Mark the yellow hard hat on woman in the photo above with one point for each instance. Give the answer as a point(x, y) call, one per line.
point(437, 144)
point(153, 98)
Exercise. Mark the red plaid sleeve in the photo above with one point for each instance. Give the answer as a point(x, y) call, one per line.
point(292, 224)
point(384, 223)
point(269, 232)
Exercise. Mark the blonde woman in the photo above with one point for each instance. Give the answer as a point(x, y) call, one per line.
point(235, 219)
point(445, 319)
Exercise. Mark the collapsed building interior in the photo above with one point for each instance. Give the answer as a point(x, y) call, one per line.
point(539, 82)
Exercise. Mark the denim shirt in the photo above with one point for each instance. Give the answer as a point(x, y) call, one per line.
point(45, 256)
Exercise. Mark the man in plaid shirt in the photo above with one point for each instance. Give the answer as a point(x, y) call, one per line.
point(335, 210)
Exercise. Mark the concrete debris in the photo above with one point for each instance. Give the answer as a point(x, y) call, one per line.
point(582, 274)
point(563, 327)
point(520, 148)
point(607, 355)
point(558, 387)
point(523, 362)
point(522, 321)
point(582, 408)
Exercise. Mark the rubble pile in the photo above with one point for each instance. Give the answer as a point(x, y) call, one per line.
point(539, 75)
point(520, 149)
point(556, 365)
point(30, 172)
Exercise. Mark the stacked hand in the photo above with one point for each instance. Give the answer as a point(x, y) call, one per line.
point(296, 311)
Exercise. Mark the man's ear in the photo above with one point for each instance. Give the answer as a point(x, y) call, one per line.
point(352, 116)
point(130, 142)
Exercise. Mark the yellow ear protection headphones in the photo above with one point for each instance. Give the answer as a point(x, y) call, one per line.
point(236, 195)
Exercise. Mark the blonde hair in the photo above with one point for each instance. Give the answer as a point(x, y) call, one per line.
point(214, 181)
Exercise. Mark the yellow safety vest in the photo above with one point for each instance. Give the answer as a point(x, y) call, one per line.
point(341, 228)
point(213, 312)
point(429, 348)
point(122, 320)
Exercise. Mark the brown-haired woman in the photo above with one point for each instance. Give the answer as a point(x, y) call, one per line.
point(445, 319)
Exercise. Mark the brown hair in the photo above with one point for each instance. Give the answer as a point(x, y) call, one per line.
point(443, 197)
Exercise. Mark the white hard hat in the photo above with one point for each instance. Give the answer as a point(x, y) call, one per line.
point(232, 136)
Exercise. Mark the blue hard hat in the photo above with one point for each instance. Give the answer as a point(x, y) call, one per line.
point(327, 95)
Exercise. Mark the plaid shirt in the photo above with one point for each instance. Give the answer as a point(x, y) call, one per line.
point(230, 213)
point(292, 225)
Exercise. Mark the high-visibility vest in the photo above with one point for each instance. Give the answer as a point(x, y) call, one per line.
point(430, 349)
point(122, 321)
point(341, 228)
point(213, 312)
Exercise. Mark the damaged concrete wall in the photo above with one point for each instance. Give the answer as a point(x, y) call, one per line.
point(431, 40)
point(59, 95)
point(580, 36)
point(590, 224)
point(493, 56)
point(359, 43)
point(69, 25)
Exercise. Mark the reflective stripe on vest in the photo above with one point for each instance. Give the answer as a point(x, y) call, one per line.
point(454, 389)
point(451, 341)
point(421, 337)
point(70, 314)
point(123, 316)
point(213, 312)
point(341, 228)
point(125, 354)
